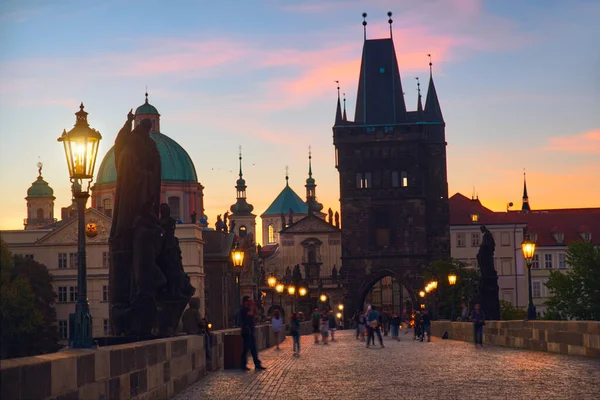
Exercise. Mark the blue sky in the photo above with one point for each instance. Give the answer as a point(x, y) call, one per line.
point(518, 82)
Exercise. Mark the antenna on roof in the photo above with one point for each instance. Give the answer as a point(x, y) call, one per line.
point(390, 22)
point(364, 15)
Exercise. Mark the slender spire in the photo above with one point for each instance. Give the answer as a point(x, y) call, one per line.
point(344, 116)
point(310, 161)
point(390, 21)
point(146, 94)
point(525, 207)
point(241, 206)
point(338, 111)
point(240, 161)
point(419, 103)
point(287, 175)
point(364, 15)
point(432, 104)
point(311, 188)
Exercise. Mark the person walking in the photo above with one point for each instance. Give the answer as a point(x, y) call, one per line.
point(246, 323)
point(395, 323)
point(316, 325)
point(332, 325)
point(325, 327)
point(385, 322)
point(295, 333)
point(373, 321)
point(417, 325)
point(356, 323)
point(426, 329)
point(362, 325)
point(478, 319)
point(464, 316)
point(277, 324)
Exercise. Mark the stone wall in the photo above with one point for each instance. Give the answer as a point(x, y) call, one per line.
point(580, 338)
point(154, 369)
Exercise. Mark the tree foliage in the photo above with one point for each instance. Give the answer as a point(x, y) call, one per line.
point(464, 290)
point(28, 320)
point(508, 312)
point(576, 293)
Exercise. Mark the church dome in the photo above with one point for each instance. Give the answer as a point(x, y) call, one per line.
point(146, 108)
point(40, 188)
point(176, 164)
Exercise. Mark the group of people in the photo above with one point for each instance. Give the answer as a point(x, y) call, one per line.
point(371, 322)
point(323, 325)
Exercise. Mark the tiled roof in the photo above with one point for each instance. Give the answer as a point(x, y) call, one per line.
point(268, 250)
point(547, 225)
point(286, 200)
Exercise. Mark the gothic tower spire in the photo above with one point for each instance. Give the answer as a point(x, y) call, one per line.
point(525, 207)
point(432, 104)
point(338, 111)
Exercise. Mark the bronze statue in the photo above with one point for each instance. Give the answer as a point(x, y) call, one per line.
point(231, 226)
point(330, 214)
point(136, 243)
point(225, 218)
point(219, 226)
point(337, 219)
point(194, 216)
point(488, 281)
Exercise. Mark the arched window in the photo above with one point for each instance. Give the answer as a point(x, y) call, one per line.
point(40, 213)
point(107, 205)
point(243, 231)
point(271, 234)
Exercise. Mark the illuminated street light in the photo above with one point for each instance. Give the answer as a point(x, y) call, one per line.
point(528, 248)
point(272, 281)
point(302, 291)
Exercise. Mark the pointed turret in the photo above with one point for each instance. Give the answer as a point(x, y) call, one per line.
point(525, 207)
point(311, 189)
point(338, 110)
point(432, 104)
point(344, 116)
point(241, 206)
point(419, 102)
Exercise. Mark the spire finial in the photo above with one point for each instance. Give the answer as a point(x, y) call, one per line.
point(419, 103)
point(344, 116)
point(287, 175)
point(240, 161)
point(390, 21)
point(310, 161)
point(364, 15)
point(39, 165)
point(146, 94)
point(418, 86)
point(430, 65)
point(338, 88)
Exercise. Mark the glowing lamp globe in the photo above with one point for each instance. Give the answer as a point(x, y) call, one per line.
point(452, 279)
point(302, 291)
point(272, 281)
point(237, 256)
point(291, 290)
point(528, 248)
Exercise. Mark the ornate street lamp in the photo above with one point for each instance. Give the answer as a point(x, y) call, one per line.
point(279, 288)
point(272, 281)
point(528, 248)
point(323, 298)
point(452, 282)
point(237, 257)
point(434, 284)
point(422, 294)
point(341, 307)
point(292, 293)
point(81, 148)
point(302, 291)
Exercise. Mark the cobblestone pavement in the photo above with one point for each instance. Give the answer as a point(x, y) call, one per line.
point(441, 369)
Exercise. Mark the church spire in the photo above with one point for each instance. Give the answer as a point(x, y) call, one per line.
point(344, 116)
point(241, 206)
point(525, 207)
point(419, 102)
point(311, 188)
point(338, 111)
point(432, 104)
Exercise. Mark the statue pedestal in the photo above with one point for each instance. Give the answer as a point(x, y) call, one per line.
point(488, 294)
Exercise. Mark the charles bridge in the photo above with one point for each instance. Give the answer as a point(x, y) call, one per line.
point(549, 359)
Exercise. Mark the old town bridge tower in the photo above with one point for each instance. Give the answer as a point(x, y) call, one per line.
point(393, 179)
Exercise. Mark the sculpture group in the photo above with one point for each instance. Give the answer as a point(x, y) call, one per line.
point(148, 288)
point(488, 279)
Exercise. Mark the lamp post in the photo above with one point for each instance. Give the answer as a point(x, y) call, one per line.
point(272, 281)
point(323, 298)
point(302, 292)
point(279, 288)
point(528, 248)
point(292, 293)
point(237, 257)
point(81, 148)
point(452, 282)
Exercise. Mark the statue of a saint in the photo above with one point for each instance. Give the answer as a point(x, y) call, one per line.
point(330, 214)
point(225, 218)
point(485, 256)
point(337, 219)
point(193, 217)
point(220, 224)
point(488, 280)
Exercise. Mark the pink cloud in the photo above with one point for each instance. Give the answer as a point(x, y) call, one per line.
point(583, 143)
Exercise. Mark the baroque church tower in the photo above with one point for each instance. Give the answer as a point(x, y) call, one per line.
point(393, 178)
point(40, 203)
point(241, 211)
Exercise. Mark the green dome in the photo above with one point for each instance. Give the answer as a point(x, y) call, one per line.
point(146, 108)
point(40, 188)
point(176, 164)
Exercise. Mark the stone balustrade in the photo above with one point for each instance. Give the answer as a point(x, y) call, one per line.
point(580, 338)
point(155, 369)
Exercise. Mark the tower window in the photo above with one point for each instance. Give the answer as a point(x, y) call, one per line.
point(40, 213)
point(395, 180)
point(107, 204)
point(404, 178)
point(271, 234)
point(174, 206)
point(364, 181)
point(243, 231)
point(359, 180)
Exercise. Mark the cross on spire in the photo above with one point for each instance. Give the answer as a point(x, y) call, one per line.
point(287, 175)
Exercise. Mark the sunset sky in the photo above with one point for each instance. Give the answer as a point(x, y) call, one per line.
point(518, 82)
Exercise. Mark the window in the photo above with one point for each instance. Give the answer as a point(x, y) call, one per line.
point(40, 213)
point(107, 204)
point(243, 231)
point(104, 292)
point(507, 296)
point(586, 236)
point(106, 327)
point(359, 180)
point(505, 239)
point(174, 206)
point(395, 180)
point(536, 288)
point(562, 262)
point(535, 262)
point(72, 260)
point(62, 260)
point(548, 261)
point(63, 329)
point(404, 178)
point(475, 237)
point(73, 293)
point(461, 241)
point(474, 217)
point(28, 256)
point(62, 294)
point(364, 181)
point(368, 181)
point(272, 234)
point(506, 267)
point(559, 237)
point(383, 237)
point(105, 259)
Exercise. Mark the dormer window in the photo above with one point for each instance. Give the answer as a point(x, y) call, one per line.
point(586, 236)
point(559, 237)
point(474, 218)
point(533, 237)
